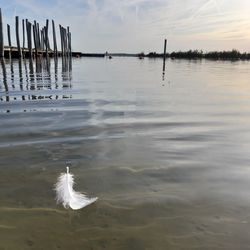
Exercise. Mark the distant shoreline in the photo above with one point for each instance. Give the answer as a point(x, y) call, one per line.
point(190, 54)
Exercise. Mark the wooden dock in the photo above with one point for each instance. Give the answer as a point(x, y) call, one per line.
point(35, 40)
point(12, 52)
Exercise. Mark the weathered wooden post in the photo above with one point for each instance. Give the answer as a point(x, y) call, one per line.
point(27, 32)
point(67, 35)
point(23, 26)
point(9, 35)
point(9, 40)
point(47, 36)
point(1, 35)
point(35, 37)
point(54, 38)
point(42, 40)
point(65, 41)
point(28, 27)
point(61, 36)
point(38, 36)
point(70, 49)
point(164, 55)
point(17, 37)
point(70, 56)
point(48, 43)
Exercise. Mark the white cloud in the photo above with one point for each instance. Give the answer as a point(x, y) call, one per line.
point(135, 25)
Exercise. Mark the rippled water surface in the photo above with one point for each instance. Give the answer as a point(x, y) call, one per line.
point(169, 159)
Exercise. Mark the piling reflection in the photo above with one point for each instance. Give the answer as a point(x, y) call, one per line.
point(12, 74)
point(39, 79)
point(5, 80)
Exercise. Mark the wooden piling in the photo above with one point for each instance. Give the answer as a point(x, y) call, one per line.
point(9, 35)
point(47, 37)
point(61, 36)
point(70, 50)
point(164, 55)
point(17, 37)
point(38, 36)
point(23, 28)
point(70, 56)
point(67, 35)
point(65, 41)
point(23, 24)
point(35, 37)
point(1, 35)
point(54, 38)
point(29, 39)
point(9, 40)
point(42, 39)
point(48, 43)
point(26, 32)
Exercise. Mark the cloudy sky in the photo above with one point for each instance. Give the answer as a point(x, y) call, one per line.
point(141, 25)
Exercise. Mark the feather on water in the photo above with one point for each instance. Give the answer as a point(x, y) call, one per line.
point(66, 195)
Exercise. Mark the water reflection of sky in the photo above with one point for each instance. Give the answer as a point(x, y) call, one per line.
point(169, 163)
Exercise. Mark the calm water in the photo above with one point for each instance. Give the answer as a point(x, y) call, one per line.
point(169, 160)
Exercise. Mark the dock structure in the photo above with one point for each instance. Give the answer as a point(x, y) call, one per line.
point(35, 40)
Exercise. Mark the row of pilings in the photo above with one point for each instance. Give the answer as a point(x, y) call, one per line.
point(35, 40)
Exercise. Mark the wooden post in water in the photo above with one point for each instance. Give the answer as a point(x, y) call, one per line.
point(48, 43)
point(29, 39)
point(1, 35)
point(47, 36)
point(66, 42)
point(38, 36)
point(9, 36)
point(42, 40)
point(70, 49)
point(67, 35)
point(9, 39)
point(164, 55)
point(61, 36)
point(17, 37)
point(54, 38)
point(23, 26)
point(70, 56)
point(35, 37)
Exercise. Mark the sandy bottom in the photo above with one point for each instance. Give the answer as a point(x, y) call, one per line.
point(143, 209)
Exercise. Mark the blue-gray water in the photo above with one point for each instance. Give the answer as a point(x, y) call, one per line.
point(169, 160)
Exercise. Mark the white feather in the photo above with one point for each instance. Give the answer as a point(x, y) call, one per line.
point(66, 195)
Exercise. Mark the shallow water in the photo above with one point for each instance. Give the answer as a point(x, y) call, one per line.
point(168, 159)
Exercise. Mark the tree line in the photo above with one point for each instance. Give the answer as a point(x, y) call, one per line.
point(199, 54)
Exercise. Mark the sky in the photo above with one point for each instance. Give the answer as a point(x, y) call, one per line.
point(141, 25)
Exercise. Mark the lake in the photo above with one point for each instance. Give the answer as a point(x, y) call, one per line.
point(169, 159)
